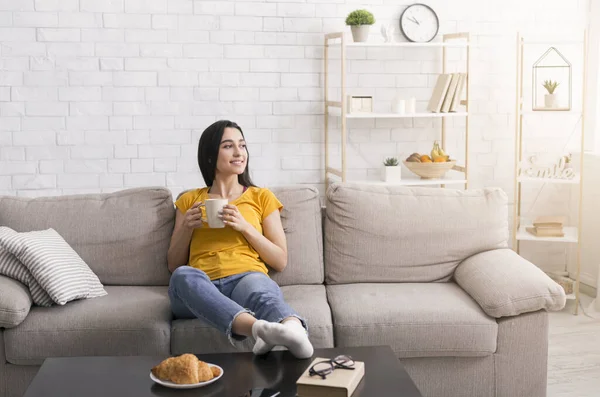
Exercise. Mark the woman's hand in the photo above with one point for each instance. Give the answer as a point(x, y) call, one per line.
point(232, 217)
point(193, 217)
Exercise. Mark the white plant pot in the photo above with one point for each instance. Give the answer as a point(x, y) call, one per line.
point(549, 100)
point(393, 174)
point(360, 33)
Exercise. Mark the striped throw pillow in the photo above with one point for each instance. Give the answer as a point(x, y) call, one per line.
point(58, 269)
point(11, 267)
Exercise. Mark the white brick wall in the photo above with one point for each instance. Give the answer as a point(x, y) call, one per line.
point(104, 95)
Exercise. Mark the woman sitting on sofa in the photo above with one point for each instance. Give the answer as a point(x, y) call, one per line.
point(225, 281)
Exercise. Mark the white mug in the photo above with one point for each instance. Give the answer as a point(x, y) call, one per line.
point(213, 206)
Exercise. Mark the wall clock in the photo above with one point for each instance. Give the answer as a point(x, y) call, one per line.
point(419, 23)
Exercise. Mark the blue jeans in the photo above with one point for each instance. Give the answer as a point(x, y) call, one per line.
point(219, 302)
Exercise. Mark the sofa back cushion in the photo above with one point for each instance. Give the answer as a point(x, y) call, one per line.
point(403, 234)
point(301, 219)
point(122, 236)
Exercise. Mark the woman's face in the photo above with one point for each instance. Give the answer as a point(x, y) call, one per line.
point(232, 153)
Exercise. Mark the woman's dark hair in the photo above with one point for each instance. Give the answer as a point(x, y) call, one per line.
point(208, 151)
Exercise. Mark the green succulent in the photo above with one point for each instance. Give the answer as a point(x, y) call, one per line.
point(391, 162)
point(550, 86)
point(360, 17)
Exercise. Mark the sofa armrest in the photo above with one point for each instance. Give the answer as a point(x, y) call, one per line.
point(15, 302)
point(505, 284)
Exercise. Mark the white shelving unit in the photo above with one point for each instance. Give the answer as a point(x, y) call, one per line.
point(572, 235)
point(417, 182)
point(526, 179)
point(557, 112)
point(337, 109)
point(400, 116)
point(436, 44)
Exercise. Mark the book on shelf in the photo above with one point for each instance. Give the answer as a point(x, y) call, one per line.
point(563, 279)
point(439, 93)
point(546, 231)
point(450, 93)
point(339, 383)
point(462, 82)
point(549, 221)
point(548, 227)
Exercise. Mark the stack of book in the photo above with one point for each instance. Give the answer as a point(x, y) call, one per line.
point(548, 226)
point(339, 383)
point(447, 93)
point(563, 279)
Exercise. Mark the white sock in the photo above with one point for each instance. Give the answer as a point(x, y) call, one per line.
point(291, 334)
point(261, 347)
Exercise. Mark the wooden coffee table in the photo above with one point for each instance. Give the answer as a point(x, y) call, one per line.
point(129, 376)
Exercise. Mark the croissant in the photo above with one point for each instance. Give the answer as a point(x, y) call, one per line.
point(184, 369)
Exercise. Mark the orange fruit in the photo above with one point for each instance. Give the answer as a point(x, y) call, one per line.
point(425, 159)
point(439, 160)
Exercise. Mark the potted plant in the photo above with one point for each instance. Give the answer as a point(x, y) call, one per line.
point(568, 160)
point(549, 98)
point(393, 172)
point(360, 21)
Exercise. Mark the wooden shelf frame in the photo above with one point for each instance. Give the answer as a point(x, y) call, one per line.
point(452, 40)
point(572, 234)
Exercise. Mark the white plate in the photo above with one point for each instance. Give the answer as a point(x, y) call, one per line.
point(172, 385)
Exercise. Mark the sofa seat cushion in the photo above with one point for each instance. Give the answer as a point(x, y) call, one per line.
point(127, 321)
point(196, 336)
point(415, 319)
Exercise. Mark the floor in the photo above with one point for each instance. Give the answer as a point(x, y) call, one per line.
point(574, 352)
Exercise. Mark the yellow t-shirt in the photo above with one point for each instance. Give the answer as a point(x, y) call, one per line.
point(225, 252)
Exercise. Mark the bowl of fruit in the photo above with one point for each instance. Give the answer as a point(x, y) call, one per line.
point(430, 166)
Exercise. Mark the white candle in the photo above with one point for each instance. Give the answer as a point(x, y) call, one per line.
point(412, 105)
point(398, 105)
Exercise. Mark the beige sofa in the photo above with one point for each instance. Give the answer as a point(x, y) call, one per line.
point(426, 271)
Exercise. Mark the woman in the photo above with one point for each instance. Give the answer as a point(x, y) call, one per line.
point(225, 282)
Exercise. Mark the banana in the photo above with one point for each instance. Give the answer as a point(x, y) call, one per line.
point(443, 154)
point(436, 152)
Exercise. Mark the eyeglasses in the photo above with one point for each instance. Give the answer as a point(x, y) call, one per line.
point(324, 368)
